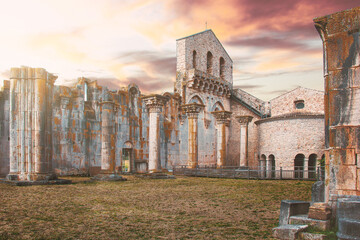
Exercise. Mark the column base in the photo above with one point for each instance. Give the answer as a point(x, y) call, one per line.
point(108, 177)
point(34, 179)
point(155, 175)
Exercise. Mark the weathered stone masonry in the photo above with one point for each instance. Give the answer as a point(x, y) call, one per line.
point(340, 35)
point(88, 129)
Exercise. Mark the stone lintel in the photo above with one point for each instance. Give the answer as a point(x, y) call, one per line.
point(244, 120)
point(192, 110)
point(337, 23)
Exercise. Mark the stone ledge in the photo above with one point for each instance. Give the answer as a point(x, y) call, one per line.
point(155, 176)
point(108, 177)
point(311, 236)
point(288, 232)
point(41, 182)
point(316, 223)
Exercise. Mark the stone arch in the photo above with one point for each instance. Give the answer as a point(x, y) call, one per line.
point(218, 106)
point(299, 165)
point(222, 68)
point(209, 62)
point(271, 165)
point(127, 161)
point(195, 98)
point(134, 92)
point(312, 165)
point(194, 59)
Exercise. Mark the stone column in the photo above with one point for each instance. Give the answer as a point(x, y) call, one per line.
point(340, 35)
point(155, 104)
point(222, 121)
point(108, 137)
point(31, 95)
point(192, 111)
point(244, 122)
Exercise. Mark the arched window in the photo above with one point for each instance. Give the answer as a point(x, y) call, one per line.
point(299, 166)
point(209, 63)
point(85, 91)
point(272, 165)
point(222, 68)
point(312, 165)
point(194, 59)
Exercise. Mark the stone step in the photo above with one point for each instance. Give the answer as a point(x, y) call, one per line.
point(316, 223)
point(311, 236)
point(288, 232)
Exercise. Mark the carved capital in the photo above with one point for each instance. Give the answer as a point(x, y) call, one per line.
point(222, 117)
point(192, 110)
point(155, 102)
point(244, 120)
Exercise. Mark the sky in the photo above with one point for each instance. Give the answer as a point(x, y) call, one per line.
point(273, 43)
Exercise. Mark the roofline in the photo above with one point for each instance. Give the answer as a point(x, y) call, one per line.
point(246, 105)
point(208, 30)
point(294, 90)
point(291, 116)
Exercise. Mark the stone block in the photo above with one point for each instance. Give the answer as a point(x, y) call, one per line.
point(316, 223)
point(321, 211)
point(318, 191)
point(348, 229)
point(290, 208)
point(311, 236)
point(288, 232)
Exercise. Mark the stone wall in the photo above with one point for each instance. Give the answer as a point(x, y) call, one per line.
point(4, 129)
point(239, 109)
point(286, 137)
point(313, 102)
point(340, 35)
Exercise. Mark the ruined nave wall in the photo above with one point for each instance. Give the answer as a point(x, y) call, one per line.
point(4, 129)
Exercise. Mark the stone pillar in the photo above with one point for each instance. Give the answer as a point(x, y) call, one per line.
point(222, 121)
point(244, 122)
point(31, 95)
point(340, 35)
point(108, 137)
point(192, 111)
point(155, 104)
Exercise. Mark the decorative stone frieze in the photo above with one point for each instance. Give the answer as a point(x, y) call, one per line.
point(207, 83)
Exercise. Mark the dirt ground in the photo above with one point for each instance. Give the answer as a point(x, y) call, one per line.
point(184, 208)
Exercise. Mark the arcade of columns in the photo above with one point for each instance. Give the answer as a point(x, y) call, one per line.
point(155, 104)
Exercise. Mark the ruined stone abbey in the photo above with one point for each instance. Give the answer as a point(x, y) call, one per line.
point(88, 129)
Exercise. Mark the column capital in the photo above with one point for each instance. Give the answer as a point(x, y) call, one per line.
point(244, 120)
point(192, 110)
point(155, 102)
point(222, 116)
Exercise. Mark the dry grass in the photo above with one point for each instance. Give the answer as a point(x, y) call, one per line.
point(184, 208)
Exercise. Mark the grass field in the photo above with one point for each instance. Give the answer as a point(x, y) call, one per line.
point(184, 208)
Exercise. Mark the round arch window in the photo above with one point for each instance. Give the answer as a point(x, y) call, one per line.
point(299, 104)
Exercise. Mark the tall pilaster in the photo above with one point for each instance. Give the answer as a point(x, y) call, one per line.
point(244, 122)
point(340, 35)
point(155, 105)
point(30, 124)
point(222, 121)
point(108, 137)
point(192, 111)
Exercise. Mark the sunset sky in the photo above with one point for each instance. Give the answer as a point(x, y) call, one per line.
point(273, 43)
